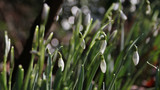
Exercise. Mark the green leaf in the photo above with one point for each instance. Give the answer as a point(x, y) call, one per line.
point(19, 79)
point(81, 79)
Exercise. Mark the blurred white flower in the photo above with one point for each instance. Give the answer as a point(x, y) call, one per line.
point(122, 1)
point(134, 2)
point(147, 40)
point(87, 19)
point(123, 16)
point(7, 43)
point(61, 64)
point(71, 19)
point(148, 9)
point(45, 11)
point(65, 24)
point(103, 46)
point(132, 8)
point(74, 10)
point(155, 33)
point(103, 66)
point(85, 9)
point(115, 6)
point(135, 57)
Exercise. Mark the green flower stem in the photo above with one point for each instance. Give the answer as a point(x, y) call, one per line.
point(11, 67)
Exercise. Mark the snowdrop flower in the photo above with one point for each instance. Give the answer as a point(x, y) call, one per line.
point(133, 8)
point(134, 2)
point(103, 46)
point(83, 45)
point(155, 33)
point(8, 43)
point(148, 9)
point(61, 63)
point(87, 19)
point(45, 11)
point(103, 66)
point(115, 6)
point(135, 57)
point(74, 10)
point(123, 16)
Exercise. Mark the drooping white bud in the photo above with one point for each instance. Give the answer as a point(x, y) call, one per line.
point(74, 10)
point(61, 64)
point(87, 19)
point(133, 8)
point(7, 43)
point(134, 2)
point(103, 46)
point(83, 44)
point(148, 9)
point(155, 33)
point(135, 57)
point(103, 66)
point(115, 6)
point(45, 11)
point(123, 16)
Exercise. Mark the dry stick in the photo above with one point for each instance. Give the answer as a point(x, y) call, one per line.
point(25, 57)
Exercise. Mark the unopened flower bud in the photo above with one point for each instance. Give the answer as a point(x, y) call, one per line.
point(103, 46)
point(45, 11)
point(103, 66)
point(135, 57)
point(123, 16)
point(61, 63)
point(87, 19)
point(7, 43)
point(115, 6)
point(148, 9)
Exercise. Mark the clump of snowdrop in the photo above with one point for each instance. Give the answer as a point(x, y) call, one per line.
point(61, 62)
point(123, 16)
point(7, 44)
point(103, 64)
point(135, 57)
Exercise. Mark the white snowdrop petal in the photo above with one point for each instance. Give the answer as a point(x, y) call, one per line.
point(61, 64)
point(83, 45)
point(115, 6)
point(148, 10)
point(135, 57)
point(87, 19)
point(7, 43)
point(103, 66)
point(123, 16)
point(45, 11)
point(103, 46)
